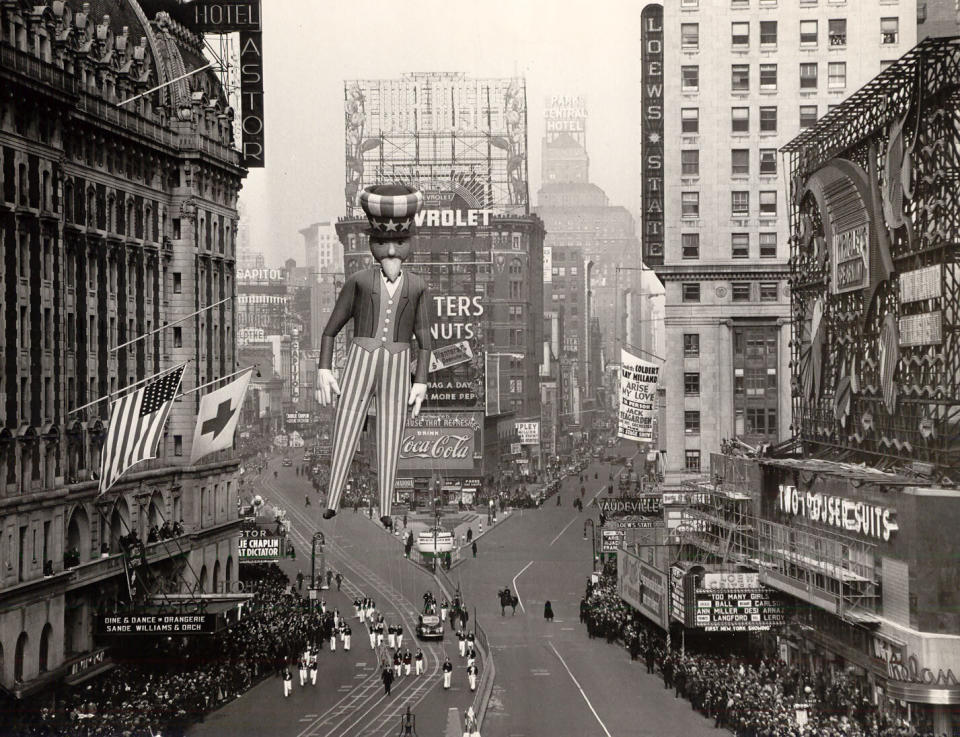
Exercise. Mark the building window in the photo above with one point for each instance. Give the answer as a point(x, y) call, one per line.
point(768, 76)
point(690, 36)
point(690, 120)
point(768, 245)
point(889, 31)
point(768, 291)
point(691, 384)
point(740, 77)
point(739, 162)
point(692, 460)
point(689, 4)
point(690, 204)
point(691, 422)
point(808, 116)
point(741, 291)
point(837, 75)
point(768, 161)
point(177, 337)
point(808, 33)
point(768, 204)
point(808, 76)
point(838, 31)
point(177, 283)
point(690, 78)
point(690, 245)
point(178, 445)
point(691, 345)
point(740, 203)
point(768, 119)
point(691, 291)
point(740, 119)
point(740, 245)
point(690, 162)
point(768, 33)
point(740, 34)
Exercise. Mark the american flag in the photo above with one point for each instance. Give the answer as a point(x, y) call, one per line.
point(136, 423)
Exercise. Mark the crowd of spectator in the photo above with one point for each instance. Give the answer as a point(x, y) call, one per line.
point(751, 698)
point(179, 681)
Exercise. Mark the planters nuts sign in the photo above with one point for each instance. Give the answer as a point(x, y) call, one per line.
point(442, 440)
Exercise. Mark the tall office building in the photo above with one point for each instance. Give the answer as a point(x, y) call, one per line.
point(740, 79)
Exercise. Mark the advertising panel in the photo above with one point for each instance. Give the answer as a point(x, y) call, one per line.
point(156, 624)
point(643, 587)
point(651, 64)
point(677, 610)
point(548, 264)
point(612, 540)
point(638, 397)
point(295, 369)
point(529, 432)
point(731, 580)
point(565, 114)
point(442, 440)
point(738, 610)
point(259, 546)
point(298, 418)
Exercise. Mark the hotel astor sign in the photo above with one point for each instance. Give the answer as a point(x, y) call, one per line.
point(651, 62)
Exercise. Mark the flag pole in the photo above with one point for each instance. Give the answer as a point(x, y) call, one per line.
point(222, 378)
point(168, 324)
point(128, 387)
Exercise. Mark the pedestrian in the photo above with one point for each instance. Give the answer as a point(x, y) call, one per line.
point(547, 611)
point(407, 661)
point(287, 682)
point(399, 636)
point(300, 580)
point(329, 577)
point(314, 667)
point(339, 578)
point(514, 600)
point(347, 632)
point(447, 673)
point(464, 616)
point(472, 676)
point(469, 534)
point(306, 500)
point(387, 678)
point(323, 606)
point(474, 548)
point(418, 658)
point(404, 520)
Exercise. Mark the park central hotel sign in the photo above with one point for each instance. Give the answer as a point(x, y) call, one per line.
point(652, 147)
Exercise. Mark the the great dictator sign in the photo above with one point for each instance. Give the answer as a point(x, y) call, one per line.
point(259, 546)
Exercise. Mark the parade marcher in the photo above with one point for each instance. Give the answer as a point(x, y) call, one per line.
point(407, 661)
point(399, 630)
point(380, 633)
point(356, 607)
point(462, 643)
point(287, 682)
point(418, 659)
point(333, 641)
point(391, 636)
point(387, 678)
point(323, 606)
point(464, 616)
point(303, 670)
point(329, 578)
point(347, 632)
point(472, 671)
point(372, 628)
point(397, 663)
point(443, 609)
point(471, 657)
point(447, 673)
point(471, 641)
point(314, 667)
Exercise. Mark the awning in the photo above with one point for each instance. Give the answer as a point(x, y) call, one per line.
point(86, 675)
point(919, 693)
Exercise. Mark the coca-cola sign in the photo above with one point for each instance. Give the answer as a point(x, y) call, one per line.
point(442, 440)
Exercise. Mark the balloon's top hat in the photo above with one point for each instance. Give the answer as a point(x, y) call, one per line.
point(391, 209)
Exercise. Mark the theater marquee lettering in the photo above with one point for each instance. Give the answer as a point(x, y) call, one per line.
point(834, 511)
point(851, 259)
point(651, 63)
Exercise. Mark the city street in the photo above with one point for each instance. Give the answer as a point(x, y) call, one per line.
point(577, 684)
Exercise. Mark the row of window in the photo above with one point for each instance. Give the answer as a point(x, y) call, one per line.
point(759, 421)
point(809, 34)
point(740, 125)
point(739, 204)
point(740, 76)
point(739, 162)
point(742, 4)
point(740, 291)
point(739, 245)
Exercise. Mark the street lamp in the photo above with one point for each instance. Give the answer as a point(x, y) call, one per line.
point(593, 530)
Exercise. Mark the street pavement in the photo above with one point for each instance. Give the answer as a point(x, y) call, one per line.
point(551, 678)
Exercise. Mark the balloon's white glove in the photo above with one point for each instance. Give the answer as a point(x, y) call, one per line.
point(327, 386)
point(417, 394)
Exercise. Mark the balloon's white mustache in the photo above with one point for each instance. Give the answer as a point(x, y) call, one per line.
point(391, 267)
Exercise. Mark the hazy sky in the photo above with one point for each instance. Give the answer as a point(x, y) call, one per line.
point(312, 46)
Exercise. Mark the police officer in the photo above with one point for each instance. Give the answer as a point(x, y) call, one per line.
point(447, 673)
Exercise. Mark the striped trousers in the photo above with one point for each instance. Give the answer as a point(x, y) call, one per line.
point(380, 373)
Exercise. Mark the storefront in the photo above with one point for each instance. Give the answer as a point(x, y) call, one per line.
point(403, 489)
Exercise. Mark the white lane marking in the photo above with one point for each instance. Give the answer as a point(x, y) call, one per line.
point(580, 689)
point(516, 591)
point(563, 531)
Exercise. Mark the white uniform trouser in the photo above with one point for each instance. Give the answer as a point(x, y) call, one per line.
point(419, 667)
point(379, 639)
point(346, 642)
point(373, 640)
point(471, 661)
point(333, 641)
point(473, 681)
point(287, 687)
point(356, 612)
point(391, 639)
point(313, 677)
point(443, 614)
point(447, 675)
point(303, 675)
point(399, 641)
point(396, 669)
point(463, 648)
point(406, 669)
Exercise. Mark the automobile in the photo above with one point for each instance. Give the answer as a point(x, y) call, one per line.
point(287, 462)
point(429, 627)
point(307, 457)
